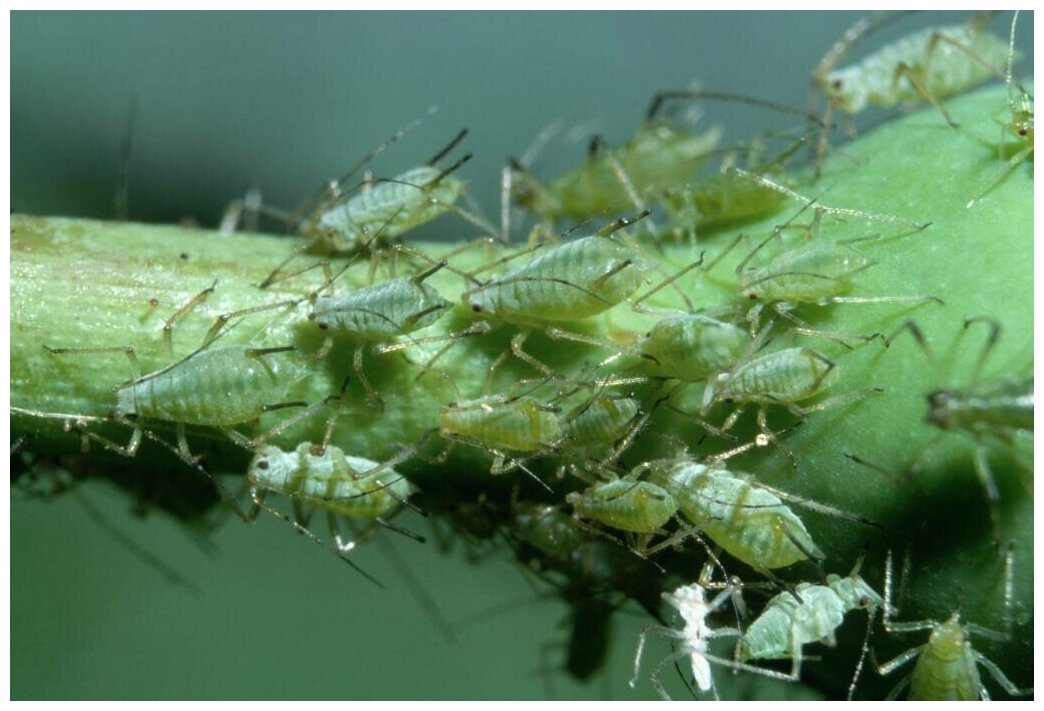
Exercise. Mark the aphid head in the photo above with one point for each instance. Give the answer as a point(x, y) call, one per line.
point(266, 464)
point(939, 408)
point(845, 90)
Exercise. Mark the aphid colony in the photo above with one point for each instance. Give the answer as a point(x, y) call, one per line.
point(618, 345)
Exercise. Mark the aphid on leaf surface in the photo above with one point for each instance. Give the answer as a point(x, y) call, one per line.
point(926, 65)
point(1019, 124)
point(748, 520)
point(625, 504)
point(947, 667)
point(810, 613)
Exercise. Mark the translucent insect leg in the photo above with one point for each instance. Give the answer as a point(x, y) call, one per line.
point(664, 96)
point(999, 677)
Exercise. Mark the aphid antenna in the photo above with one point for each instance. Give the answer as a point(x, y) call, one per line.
point(850, 212)
point(669, 282)
point(599, 144)
point(991, 340)
point(665, 96)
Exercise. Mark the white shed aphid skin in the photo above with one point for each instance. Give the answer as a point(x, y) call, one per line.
point(926, 65)
point(1019, 123)
point(810, 613)
point(567, 282)
point(219, 387)
point(377, 314)
point(502, 425)
point(947, 666)
point(693, 608)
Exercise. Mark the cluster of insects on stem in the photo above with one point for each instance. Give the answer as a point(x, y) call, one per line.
point(562, 359)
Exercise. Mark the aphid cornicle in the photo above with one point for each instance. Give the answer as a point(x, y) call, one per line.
point(748, 521)
point(947, 667)
point(810, 613)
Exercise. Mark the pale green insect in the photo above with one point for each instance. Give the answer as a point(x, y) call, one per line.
point(611, 180)
point(810, 613)
point(624, 504)
point(926, 65)
point(691, 347)
point(780, 377)
point(601, 419)
point(217, 387)
point(547, 528)
point(747, 520)
point(1019, 124)
point(567, 282)
point(378, 313)
point(947, 666)
point(342, 484)
point(501, 426)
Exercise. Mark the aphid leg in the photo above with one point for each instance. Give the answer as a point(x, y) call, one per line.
point(670, 281)
point(597, 145)
point(991, 341)
point(372, 398)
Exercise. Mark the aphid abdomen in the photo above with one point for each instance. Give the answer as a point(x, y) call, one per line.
point(946, 669)
point(602, 420)
point(332, 481)
point(637, 506)
point(519, 425)
point(787, 375)
point(805, 274)
point(999, 408)
point(219, 386)
point(382, 311)
point(752, 524)
point(691, 347)
point(568, 282)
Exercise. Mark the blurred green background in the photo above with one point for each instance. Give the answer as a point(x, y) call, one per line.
point(283, 102)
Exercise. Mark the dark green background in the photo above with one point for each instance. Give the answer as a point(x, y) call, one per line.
point(285, 101)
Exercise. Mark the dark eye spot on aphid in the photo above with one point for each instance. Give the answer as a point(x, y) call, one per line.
point(836, 85)
point(184, 256)
point(154, 302)
point(476, 308)
point(263, 464)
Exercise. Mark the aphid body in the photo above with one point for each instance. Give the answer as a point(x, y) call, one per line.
point(520, 424)
point(749, 522)
point(333, 481)
point(658, 156)
point(1000, 408)
point(636, 506)
point(389, 207)
point(381, 311)
point(691, 347)
point(721, 198)
point(808, 274)
point(568, 282)
point(219, 386)
point(811, 613)
point(783, 376)
point(938, 57)
point(546, 528)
